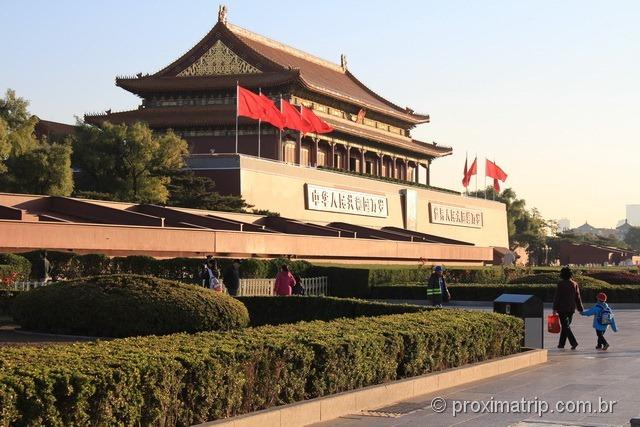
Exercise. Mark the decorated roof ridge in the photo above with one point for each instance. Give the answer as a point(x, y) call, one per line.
point(433, 145)
point(243, 32)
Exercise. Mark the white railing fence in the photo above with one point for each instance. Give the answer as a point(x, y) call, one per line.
point(317, 286)
point(25, 286)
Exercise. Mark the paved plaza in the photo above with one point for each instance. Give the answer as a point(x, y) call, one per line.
point(573, 380)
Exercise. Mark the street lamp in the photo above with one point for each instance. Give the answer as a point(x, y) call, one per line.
point(546, 249)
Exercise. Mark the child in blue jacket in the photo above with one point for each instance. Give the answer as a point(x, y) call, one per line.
point(603, 317)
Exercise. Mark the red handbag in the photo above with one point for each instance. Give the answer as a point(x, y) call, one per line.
point(553, 323)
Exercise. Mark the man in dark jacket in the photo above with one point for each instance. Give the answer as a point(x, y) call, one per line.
point(565, 303)
point(232, 278)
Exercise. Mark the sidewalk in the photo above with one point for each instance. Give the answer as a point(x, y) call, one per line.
point(584, 375)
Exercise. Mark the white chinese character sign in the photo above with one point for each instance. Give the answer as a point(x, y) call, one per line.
point(345, 201)
point(455, 215)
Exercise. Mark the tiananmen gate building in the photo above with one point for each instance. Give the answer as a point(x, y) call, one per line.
point(367, 180)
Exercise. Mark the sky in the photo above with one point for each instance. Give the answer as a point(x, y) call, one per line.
point(550, 90)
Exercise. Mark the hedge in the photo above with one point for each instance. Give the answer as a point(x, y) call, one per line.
point(67, 265)
point(6, 301)
point(489, 292)
point(189, 379)
point(10, 263)
point(344, 282)
point(126, 305)
point(553, 278)
point(279, 310)
point(616, 277)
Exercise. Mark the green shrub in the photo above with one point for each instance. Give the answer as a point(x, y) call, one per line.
point(615, 277)
point(489, 292)
point(278, 310)
point(10, 263)
point(553, 278)
point(126, 305)
point(408, 292)
point(344, 282)
point(546, 292)
point(6, 301)
point(189, 379)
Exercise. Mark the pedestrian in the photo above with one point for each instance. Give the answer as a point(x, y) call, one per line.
point(43, 269)
point(214, 283)
point(602, 318)
point(298, 289)
point(284, 282)
point(206, 273)
point(232, 278)
point(565, 303)
point(437, 291)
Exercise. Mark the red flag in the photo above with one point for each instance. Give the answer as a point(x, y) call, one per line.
point(293, 119)
point(473, 170)
point(496, 185)
point(494, 171)
point(249, 104)
point(465, 183)
point(319, 125)
point(272, 114)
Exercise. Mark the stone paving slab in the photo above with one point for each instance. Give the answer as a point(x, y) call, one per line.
point(584, 374)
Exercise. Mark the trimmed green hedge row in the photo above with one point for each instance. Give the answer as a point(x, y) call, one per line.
point(126, 305)
point(67, 265)
point(188, 379)
point(489, 292)
point(616, 277)
point(276, 311)
point(6, 301)
point(553, 278)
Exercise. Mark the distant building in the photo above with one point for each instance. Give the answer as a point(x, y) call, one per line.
point(586, 229)
point(564, 225)
point(623, 229)
point(583, 254)
point(633, 215)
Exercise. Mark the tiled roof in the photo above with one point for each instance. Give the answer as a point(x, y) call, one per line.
point(151, 84)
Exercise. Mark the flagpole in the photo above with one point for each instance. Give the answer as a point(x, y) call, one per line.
point(237, 109)
point(466, 159)
point(476, 160)
point(494, 190)
point(259, 122)
point(485, 178)
point(280, 135)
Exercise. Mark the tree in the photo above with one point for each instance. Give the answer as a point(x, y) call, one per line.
point(190, 191)
point(28, 165)
point(129, 161)
point(526, 228)
point(43, 170)
point(633, 238)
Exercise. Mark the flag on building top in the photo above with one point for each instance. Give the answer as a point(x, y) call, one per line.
point(468, 173)
point(249, 104)
point(494, 171)
point(293, 119)
point(271, 113)
point(319, 125)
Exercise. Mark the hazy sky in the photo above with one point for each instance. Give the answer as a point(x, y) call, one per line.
point(550, 89)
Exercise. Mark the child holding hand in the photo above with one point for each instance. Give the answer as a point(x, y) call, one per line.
point(603, 317)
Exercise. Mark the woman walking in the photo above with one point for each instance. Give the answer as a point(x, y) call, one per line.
point(565, 303)
point(284, 282)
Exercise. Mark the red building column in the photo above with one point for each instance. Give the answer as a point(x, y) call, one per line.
point(332, 161)
point(363, 168)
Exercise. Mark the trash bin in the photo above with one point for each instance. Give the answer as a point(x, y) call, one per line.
point(528, 308)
